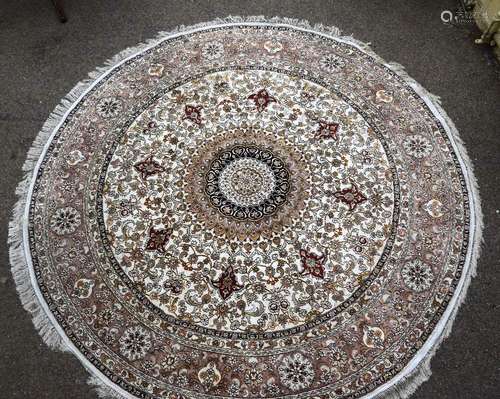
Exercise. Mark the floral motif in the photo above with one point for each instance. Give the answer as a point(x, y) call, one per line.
point(234, 388)
point(174, 286)
point(212, 50)
point(273, 46)
point(434, 208)
point(253, 377)
point(296, 372)
point(262, 99)
point(264, 210)
point(83, 288)
point(417, 275)
point(109, 107)
point(156, 70)
point(247, 182)
point(135, 343)
point(65, 221)
point(158, 239)
point(227, 283)
point(417, 146)
point(278, 304)
point(384, 96)
point(373, 337)
point(148, 167)
point(331, 63)
point(350, 196)
point(193, 113)
point(327, 130)
point(313, 264)
point(338, 356)
point(75, 157)
point(209, 376)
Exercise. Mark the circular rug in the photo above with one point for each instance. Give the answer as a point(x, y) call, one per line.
point(247, 209)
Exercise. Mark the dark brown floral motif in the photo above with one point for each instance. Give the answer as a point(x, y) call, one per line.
point(313, 264)
point(350, 196)
point(158, 238)
point(227, 283)
point(262, 99)
point(148, 167)
point(193, 113)
point(327, 130)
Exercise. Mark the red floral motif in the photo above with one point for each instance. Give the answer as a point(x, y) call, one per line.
point(227, 283)
point(262, 99)
point(327, 130)
point(158, 238)
point(313, 264)
point(350, 196)
point(148, 167)
point(193, 113)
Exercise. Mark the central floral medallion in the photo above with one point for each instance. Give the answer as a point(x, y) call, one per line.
point(247, 182)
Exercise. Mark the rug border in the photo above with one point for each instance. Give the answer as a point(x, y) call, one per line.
point(399, 387)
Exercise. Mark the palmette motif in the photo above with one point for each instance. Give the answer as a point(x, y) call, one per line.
point(249, 211)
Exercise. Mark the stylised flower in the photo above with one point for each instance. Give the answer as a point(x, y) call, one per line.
point(148, 167)
point(193, 113)
point(174, 286)
point(135, 342)
point(273, 46)
point(253, 377)
point(331, 63)
point(417, 275)
point(271, 389)
point(65, 221)
point(383, 96)
point(212, 50)
point(278, 304)
point(108, 335)
point(75, 157)
point(373, 337)
point(262, 99)
point(296, 372)
point(313, 264)
point(351, 196)
point(327, 130)
point(227, 283)
point(109, 107)
point(83, 288)
point(156, 70)
point(434, 208)
point(158, 238)
point(168, 363)
point(338, 356)
point(417, 146)
point(209, 376)
point(234, 388)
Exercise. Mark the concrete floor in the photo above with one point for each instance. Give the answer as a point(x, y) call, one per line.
point(41, 60)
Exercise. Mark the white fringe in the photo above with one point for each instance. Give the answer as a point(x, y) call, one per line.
point(408, 381)
point(103, 390)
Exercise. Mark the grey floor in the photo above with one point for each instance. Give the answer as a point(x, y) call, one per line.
point(41, 60)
